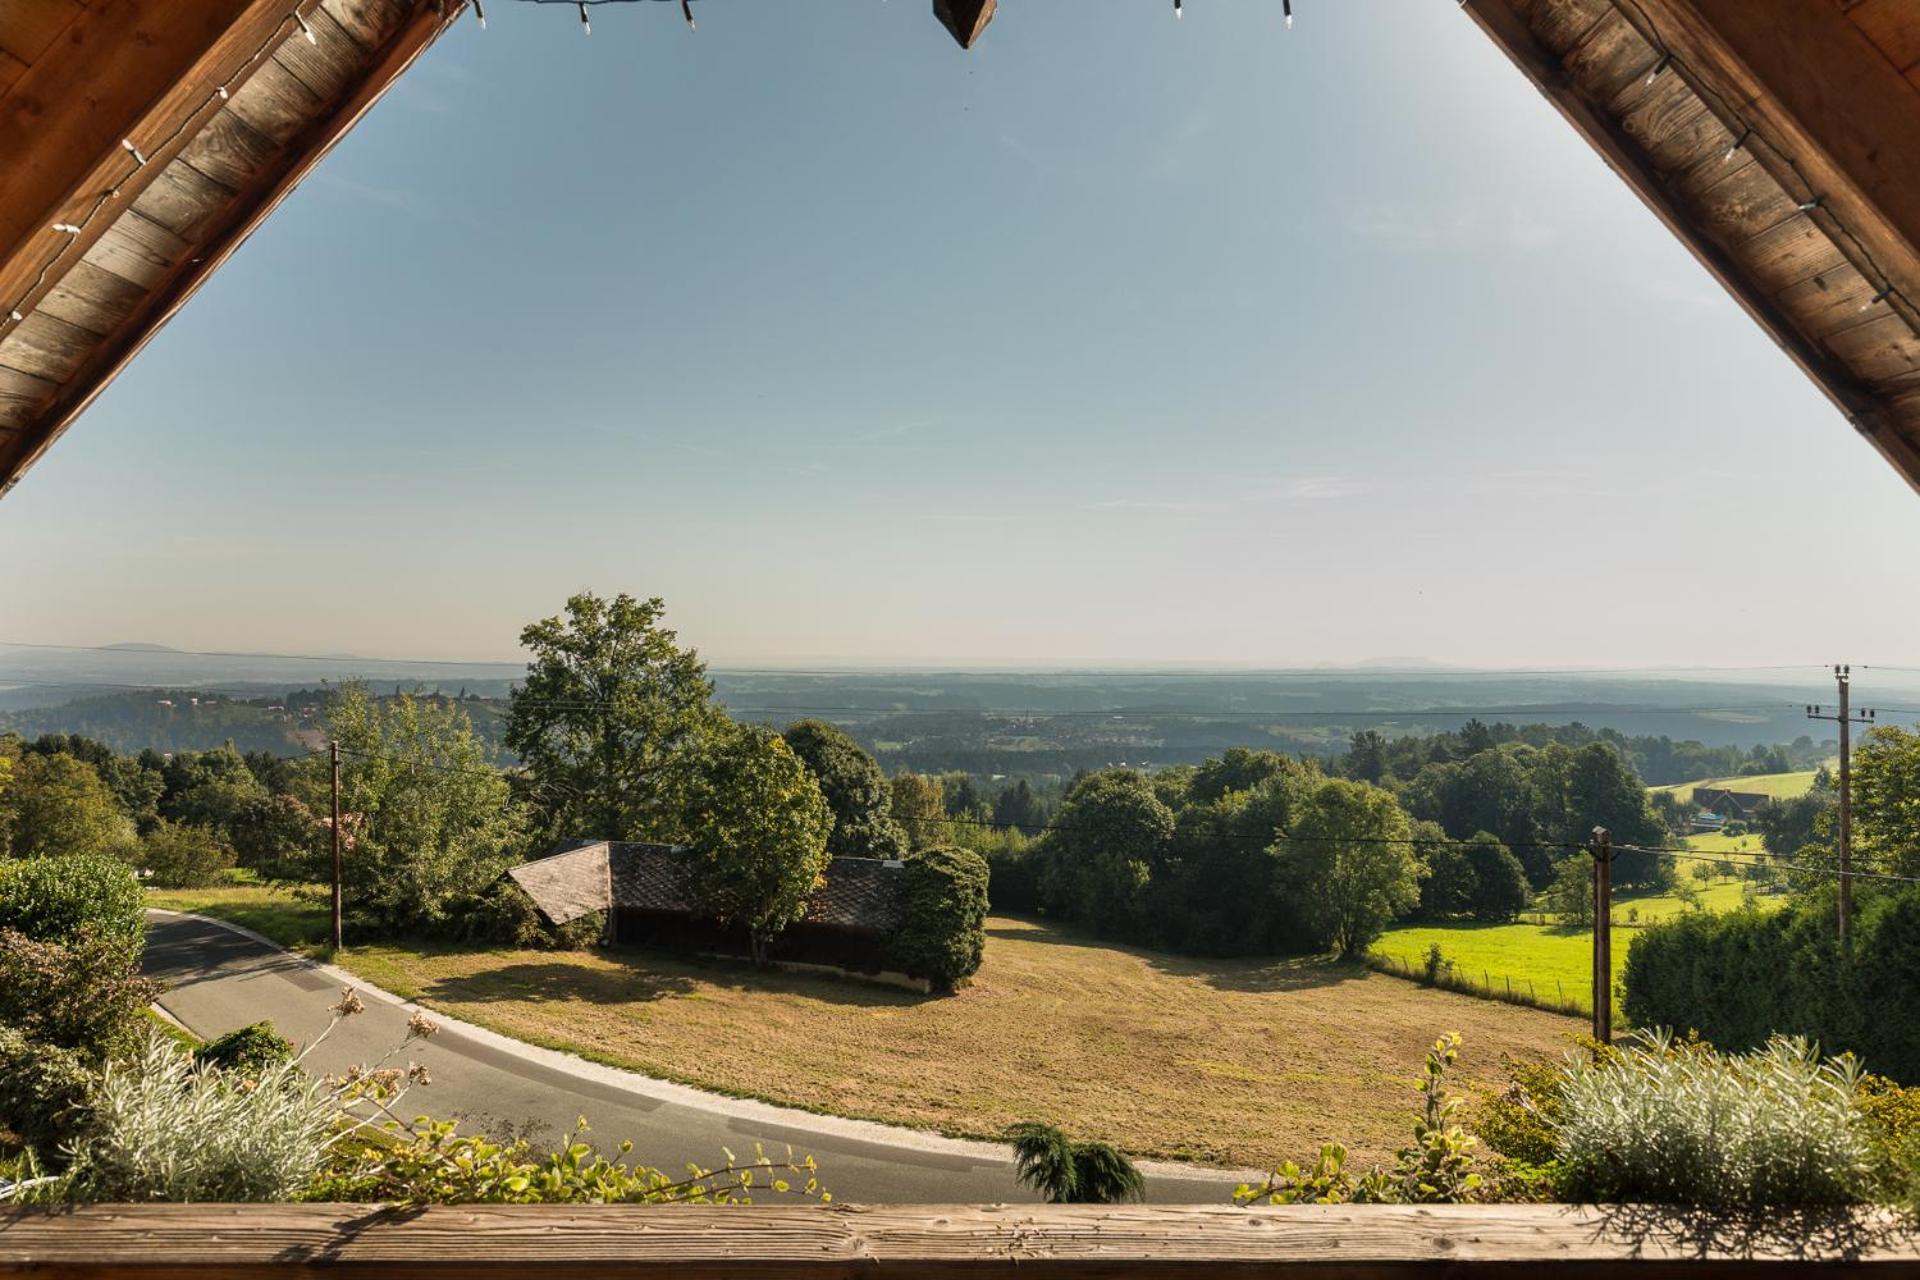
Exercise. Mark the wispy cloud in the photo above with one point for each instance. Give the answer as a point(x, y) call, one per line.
point(1322, 488)
point(407, 202)
point(1168, 505)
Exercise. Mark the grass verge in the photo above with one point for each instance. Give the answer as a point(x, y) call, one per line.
point(1239, 1062)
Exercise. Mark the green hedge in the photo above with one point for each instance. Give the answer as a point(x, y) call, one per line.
point(943, 935)
point(50, 899)
point(1739, 977)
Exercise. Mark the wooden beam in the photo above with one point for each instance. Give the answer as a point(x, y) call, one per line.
point(1729, 209)
point(688, 1242)
point(1810, 80)
point(123, 69)
point(965, 19)
point(172, 285)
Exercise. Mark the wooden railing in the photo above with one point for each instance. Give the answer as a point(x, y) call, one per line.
point(811, 1242)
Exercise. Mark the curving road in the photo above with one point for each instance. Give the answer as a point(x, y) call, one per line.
point(218, 977)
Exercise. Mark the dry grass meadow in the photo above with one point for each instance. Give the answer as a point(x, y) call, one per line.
point(1230, 1062)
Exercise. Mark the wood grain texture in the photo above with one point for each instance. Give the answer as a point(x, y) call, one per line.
point(698, 1243)
point(28, 28)
point(1740, 216)
point(166, 267)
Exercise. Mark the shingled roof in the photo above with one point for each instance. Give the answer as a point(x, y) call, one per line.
point(854, 893)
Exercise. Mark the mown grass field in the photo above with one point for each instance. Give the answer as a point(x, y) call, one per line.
point(1544, 960)
point(1234, 1062)
point(1781, 786)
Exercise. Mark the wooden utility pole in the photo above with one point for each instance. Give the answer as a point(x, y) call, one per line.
point(334, 751)
point(1601, 850)
point(1846, 719)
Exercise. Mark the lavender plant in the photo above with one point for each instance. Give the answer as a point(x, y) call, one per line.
point(1671, 1122)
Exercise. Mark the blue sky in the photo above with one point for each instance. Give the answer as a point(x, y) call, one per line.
point(1117, 340)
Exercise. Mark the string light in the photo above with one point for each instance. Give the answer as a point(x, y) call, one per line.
point(1176, 8)
point(1886, 291)
point(67, 228)
point(586, 23)
point(1811, 203)
point(480, 12)
point(1286, 11)
point(1658, 68)
point(1733, 148)
point(139, 160)
point(686, 11)
point(305, 30)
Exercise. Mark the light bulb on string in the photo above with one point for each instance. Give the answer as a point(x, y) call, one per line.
point(139, 161)
point(1885, 293)
point(1286, 11)
point(480, 12)
point(1658, 68)
point(1734, 147)
point(586, 23)
point(305, 29)
point(686, 11)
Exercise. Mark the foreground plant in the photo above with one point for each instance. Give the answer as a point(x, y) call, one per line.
point(1437, 1168)
point(1068, 1172)
point(430, 1162)
point(1673, 1122)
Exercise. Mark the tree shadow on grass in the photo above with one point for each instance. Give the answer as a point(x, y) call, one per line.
point(1818, 1233)
point(1253, 973)
point(632, 975)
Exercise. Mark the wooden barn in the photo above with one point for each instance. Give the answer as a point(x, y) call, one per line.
point(850, 915)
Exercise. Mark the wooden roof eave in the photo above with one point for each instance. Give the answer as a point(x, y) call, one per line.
point(96, 357)
point(1844, 122)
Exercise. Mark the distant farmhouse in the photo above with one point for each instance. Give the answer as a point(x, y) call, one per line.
point(850, 917)
point(1720, 806)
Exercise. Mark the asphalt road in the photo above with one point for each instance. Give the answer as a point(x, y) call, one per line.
point(217, 979)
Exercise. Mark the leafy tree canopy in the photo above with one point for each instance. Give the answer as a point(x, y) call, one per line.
point(609, 703)
point(855, 788)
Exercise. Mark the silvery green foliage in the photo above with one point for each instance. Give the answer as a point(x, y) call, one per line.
point(1674, 1123)
point(167, 1128)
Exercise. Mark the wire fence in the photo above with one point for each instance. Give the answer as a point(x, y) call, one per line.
point(1448, 976)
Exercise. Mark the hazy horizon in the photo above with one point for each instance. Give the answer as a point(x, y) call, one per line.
point(1116, 344)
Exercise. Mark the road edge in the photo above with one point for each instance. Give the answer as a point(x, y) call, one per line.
point(649, 1087)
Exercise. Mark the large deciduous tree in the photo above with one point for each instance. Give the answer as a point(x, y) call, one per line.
point(610, 701)
point(1347, 864)
point(756, 825)
point(1886, 801)
point(57, 805)
point(855, 788)
point(920, 808)
point(428, 819)
point(1112, 835)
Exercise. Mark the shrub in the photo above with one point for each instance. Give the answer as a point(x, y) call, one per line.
point(1069, 1172)
point(182, 857)
point(942, 936)
point(250, 1049)
point(51, 899)
point(164, 1127)
point(505, 916)
point(85, 994)
point(432, 1163)
point(1665, 1122)
point(43, 1091)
